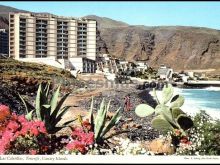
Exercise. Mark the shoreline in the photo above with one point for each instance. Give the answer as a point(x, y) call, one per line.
point(192, 109)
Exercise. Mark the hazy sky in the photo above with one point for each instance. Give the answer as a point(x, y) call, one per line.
point(203, 14)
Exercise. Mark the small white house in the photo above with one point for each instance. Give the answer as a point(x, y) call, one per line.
point(165, 72)
point(141, 66)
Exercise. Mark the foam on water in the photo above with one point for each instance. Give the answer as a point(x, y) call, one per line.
point(207, 99)
point(213, 88)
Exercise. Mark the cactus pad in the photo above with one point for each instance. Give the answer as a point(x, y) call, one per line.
point(143, 110)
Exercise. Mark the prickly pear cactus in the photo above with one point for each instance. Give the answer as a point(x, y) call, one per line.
point(143, 110)
point(168, 117)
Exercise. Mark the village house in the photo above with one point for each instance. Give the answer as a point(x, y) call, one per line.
point(165, 73)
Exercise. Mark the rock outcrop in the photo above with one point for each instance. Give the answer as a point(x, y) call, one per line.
point(176, 46)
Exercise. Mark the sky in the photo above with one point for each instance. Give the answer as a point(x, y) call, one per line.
point(199, 14)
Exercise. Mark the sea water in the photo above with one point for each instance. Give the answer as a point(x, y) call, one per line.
point(207, 99)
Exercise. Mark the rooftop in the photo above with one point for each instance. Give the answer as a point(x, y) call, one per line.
point(49, 15)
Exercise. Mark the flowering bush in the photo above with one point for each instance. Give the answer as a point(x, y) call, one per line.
point(204, 137)
point(179, 138)
point(81, 138)
point(20, 136)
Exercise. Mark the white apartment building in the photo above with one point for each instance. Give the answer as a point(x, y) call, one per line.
point(51, 39)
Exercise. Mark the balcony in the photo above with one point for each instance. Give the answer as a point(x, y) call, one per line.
point(41, 31)
point(22, 24)
point(21, 55)
point(41, 55)
point(41, 52)
point(41, 36)
point(63, 33)
point(62, 25)
point(82, 30)
point(22, 44)
point(80, 39)
point(22, 39)
point(81, 44)
point(41, 22)
point(41, 27)
point(61, 46)
point(22, 29)
point(82, 34)
point(41, 41)
point(22, 51)
point(63, 37)
point(22, 34)
point(41, 47)
point(62, 41)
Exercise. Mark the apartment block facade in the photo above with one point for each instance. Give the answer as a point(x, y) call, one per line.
point(3, 42)
point(43, 35)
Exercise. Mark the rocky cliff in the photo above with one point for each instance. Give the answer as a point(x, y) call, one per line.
point(176, 46)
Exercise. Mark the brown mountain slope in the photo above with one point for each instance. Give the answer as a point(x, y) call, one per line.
point(4, 10)
point(176, 46)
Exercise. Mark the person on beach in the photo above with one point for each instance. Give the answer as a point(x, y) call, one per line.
point(127, 104)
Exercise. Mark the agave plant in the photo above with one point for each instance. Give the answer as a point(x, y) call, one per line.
point(167, 117)
point(48, 109)
point(99, 123)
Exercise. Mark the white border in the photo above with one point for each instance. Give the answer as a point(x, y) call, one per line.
point(108, 159)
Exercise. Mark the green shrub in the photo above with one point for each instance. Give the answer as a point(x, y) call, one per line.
point(210, 129)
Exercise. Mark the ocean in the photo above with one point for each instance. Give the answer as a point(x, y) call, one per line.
point(207, 99)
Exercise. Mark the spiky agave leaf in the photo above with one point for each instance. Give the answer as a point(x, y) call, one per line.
point(29, 115)
point(54, 99)
point(100, 119)
point(56, 119)
point(38, 103)
point(25, 105)
point(112, 122)
point(59, 105)
point(47, 89)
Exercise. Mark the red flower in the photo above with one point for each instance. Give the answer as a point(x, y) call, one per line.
point(44, 148)
point(34, 131)
point(4, 112)
point(22, 119)
point(7, 136)
point(81, 140)
point(12, 125)
point(87, 125)
point(184, 140)
point(177, 132)
point(76, 145)
point(32, 152)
